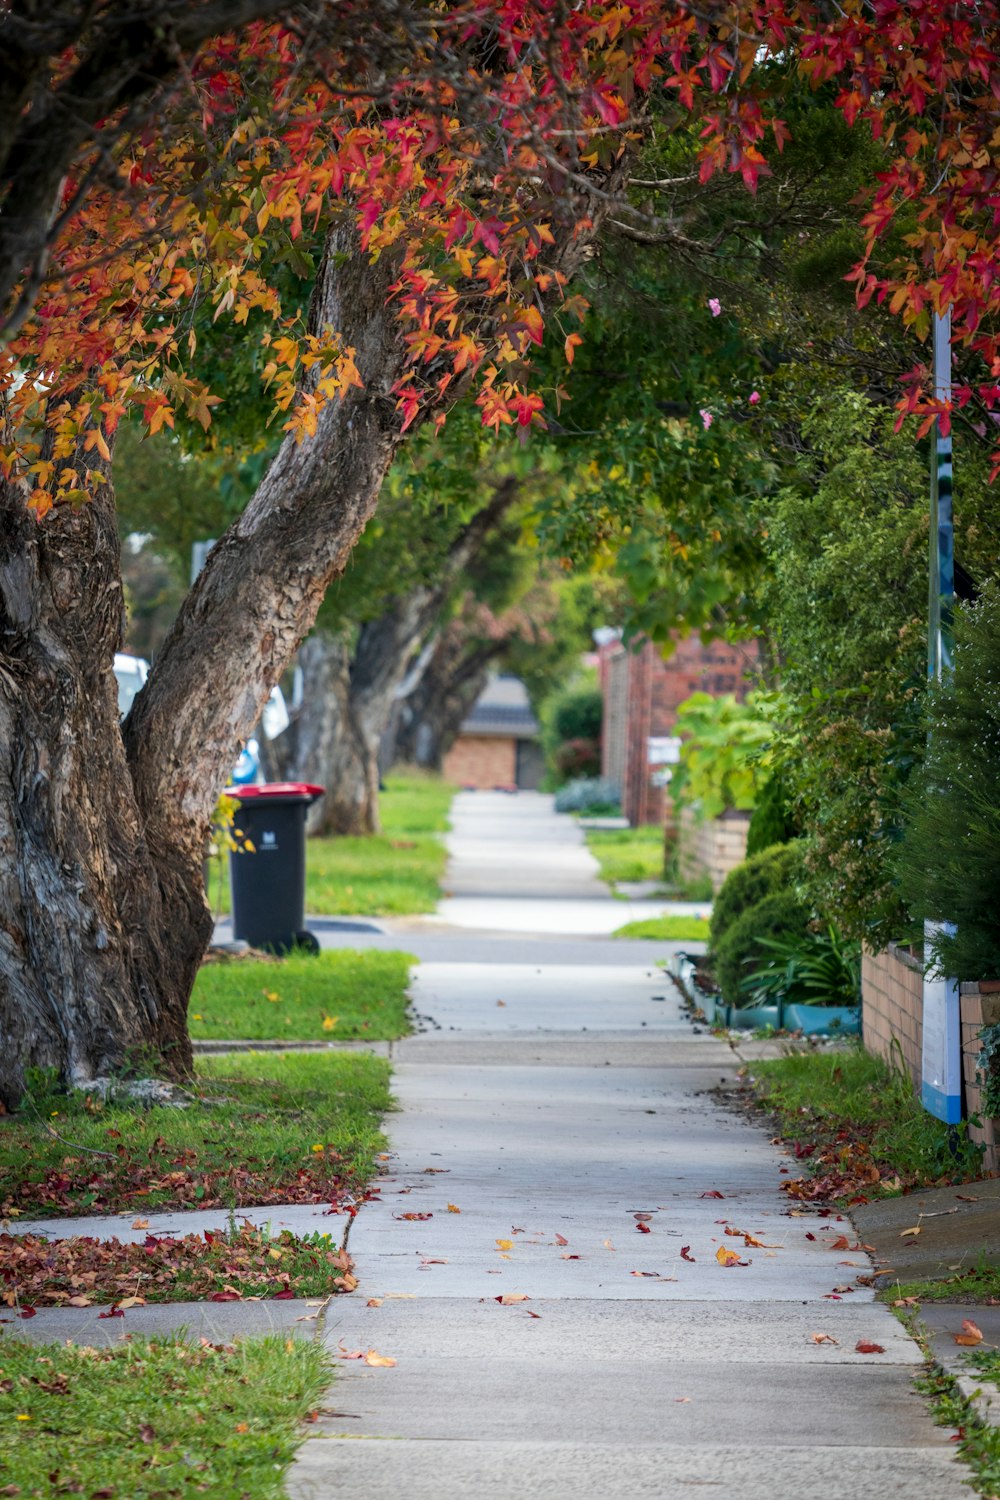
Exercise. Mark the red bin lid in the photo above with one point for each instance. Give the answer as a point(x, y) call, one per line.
point(286, 789)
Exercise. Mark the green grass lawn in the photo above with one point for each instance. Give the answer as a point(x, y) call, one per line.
point(155, 1417)
point(336, 995)
point(627, 853)
point(668, 929)
point(394, 873)
point(259, 1129)
point(858, 1128)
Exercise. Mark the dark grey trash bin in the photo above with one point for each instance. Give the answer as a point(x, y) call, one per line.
point(269, 882)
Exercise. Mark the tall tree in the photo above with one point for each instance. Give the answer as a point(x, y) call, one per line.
point(457, 163)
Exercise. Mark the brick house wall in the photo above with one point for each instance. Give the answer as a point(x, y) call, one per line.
point(482, 761)
point(642, 692)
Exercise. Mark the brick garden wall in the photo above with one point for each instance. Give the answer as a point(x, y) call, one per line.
point(980, 1006)
point(481, 761)
point(711, 847)
point(892, 991)
point(892, 997)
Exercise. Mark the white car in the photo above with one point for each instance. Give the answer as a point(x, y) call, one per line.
point(132, 671)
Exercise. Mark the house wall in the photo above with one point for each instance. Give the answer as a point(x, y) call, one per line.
point(642, 692)
point(482, 761)
point(711, 847)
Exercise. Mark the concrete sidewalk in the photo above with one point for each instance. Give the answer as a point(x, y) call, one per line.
point(544, 1261)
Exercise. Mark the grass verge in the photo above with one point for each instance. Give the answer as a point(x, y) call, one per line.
point(219, 1265)
point(627, 853)
point(257, 1129)
point(976, 1284)
point(857, 1126)
point(667, 929)
point(336, 995)
point(155, 1417)
point(394, 873)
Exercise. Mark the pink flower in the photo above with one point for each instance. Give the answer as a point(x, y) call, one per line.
point(706, 417)
point(714, 306)
point(754, 397)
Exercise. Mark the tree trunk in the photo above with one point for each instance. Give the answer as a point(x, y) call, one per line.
point(433, 713)
point(352, 704)
point(89, 980)
point(327, 743)
point(103, 920)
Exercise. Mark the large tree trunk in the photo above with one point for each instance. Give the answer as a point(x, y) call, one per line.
point(87, 971)
point(432, 714)
point(103, 920)
point(348, 702)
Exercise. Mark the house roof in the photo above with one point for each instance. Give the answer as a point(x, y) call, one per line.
point(502, 708)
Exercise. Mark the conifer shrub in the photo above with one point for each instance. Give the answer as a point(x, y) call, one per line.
point(948, 860)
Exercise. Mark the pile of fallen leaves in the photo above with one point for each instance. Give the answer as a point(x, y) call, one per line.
point(215, 1266)
point(842, 1169)
point(129, 1180)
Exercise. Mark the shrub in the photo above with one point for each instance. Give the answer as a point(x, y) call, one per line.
point(578, 758)
point(593, 794)
point(948, 862)
point(807, 968)
point(780, 916)
point(771, 821)
point(772, 870)
point(578, 715)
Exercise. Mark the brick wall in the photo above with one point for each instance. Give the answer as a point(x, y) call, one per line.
point(641, 695)
point(892, 996)
point(711, 846)
point(481, 761)
point(979, 1006)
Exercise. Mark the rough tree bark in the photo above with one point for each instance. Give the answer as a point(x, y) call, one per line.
point(432, 714)
point(103, 920)
point(349, 694)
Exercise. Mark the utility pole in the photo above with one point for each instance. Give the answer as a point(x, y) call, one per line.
point(941, 1081)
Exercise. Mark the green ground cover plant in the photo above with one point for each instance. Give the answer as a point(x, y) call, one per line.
point(977, 1282)
point(336, 995)
point(155, 1417)
point(671, 929)
point(857, 1126)
point(394, 873)
point(257, 1129)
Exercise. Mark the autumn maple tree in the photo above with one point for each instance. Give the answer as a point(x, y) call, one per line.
point(437, 175)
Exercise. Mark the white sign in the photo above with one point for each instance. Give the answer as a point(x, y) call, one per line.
point(941, 1082)
point(663, 751)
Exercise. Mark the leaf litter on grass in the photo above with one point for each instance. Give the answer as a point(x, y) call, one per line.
point(258, 1129)
point(215, 1266)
